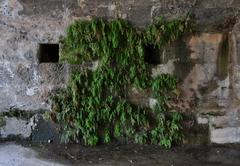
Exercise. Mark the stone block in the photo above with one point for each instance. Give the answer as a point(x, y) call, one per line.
point(15, 127)
point(225, 135)
point(202, 120)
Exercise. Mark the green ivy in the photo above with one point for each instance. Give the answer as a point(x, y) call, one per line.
point(94, 108)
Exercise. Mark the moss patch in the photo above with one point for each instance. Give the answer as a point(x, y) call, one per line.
point(2, 121)
point(223, 59)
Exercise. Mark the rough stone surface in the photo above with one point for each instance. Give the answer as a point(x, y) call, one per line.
point(206, 63)
point(44, 131)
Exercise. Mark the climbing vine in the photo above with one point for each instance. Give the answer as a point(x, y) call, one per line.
point(95, 107)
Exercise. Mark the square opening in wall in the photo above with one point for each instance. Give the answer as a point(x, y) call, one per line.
point(152, 55)
point(48, 53)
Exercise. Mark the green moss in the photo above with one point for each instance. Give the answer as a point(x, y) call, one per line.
point(94, 108)
point(223, 58)
point(215, 113)
point(2, 121)
point(21, 114)
point(17, 113)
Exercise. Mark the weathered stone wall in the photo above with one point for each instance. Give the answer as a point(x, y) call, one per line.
point(207, 62)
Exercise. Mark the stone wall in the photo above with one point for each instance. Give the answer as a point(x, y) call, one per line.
point(207, 62)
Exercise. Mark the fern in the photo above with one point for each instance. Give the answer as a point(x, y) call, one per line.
point(94, 108)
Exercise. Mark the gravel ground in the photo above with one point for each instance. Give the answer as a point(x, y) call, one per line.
point(25, 154)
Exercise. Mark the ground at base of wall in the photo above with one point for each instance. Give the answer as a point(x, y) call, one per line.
point(12, 153)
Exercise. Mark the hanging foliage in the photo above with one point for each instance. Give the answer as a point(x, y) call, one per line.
point(94, 108)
